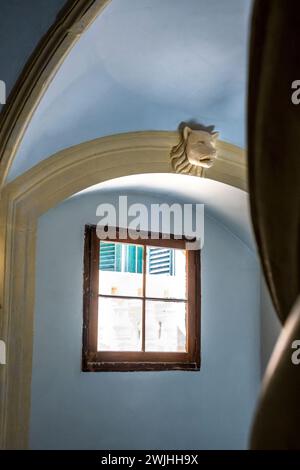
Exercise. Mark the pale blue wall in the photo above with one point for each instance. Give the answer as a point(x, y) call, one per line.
point(164, 410)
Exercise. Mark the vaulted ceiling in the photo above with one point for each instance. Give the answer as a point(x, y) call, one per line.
point(143, 64)
point(22, 25)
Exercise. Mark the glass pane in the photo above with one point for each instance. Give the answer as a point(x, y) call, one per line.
point(119, 324)
point(165, 326)
point(166, 273)
point(120, 269)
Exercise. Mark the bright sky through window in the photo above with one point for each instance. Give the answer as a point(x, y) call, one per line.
point(122, 280)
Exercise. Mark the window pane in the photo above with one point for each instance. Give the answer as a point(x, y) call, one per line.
point(119, 324)
point(165, 326)
point(120, 269)
point(166, 273)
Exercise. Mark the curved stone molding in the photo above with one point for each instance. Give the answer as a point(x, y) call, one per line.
point(38, 73)
point(33, 193)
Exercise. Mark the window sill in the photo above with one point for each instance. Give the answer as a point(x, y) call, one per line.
point(94, 366)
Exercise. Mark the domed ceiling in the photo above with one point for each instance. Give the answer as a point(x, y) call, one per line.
point(146, 64)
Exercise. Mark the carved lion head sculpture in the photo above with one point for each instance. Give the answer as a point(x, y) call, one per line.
point(195, 151)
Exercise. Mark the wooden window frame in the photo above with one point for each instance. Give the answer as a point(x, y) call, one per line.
point(93, 360)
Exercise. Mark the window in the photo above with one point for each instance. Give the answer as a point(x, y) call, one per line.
point(141, 304)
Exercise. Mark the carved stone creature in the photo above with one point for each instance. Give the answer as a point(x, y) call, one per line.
point(195, 151)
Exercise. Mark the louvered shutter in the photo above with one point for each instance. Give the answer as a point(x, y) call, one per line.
point(161, 261)
point(110, 257)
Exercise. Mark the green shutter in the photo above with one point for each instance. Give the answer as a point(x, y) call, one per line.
point(111, 257)
point(134, 259)
point(161, 261)
point(139, 263)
